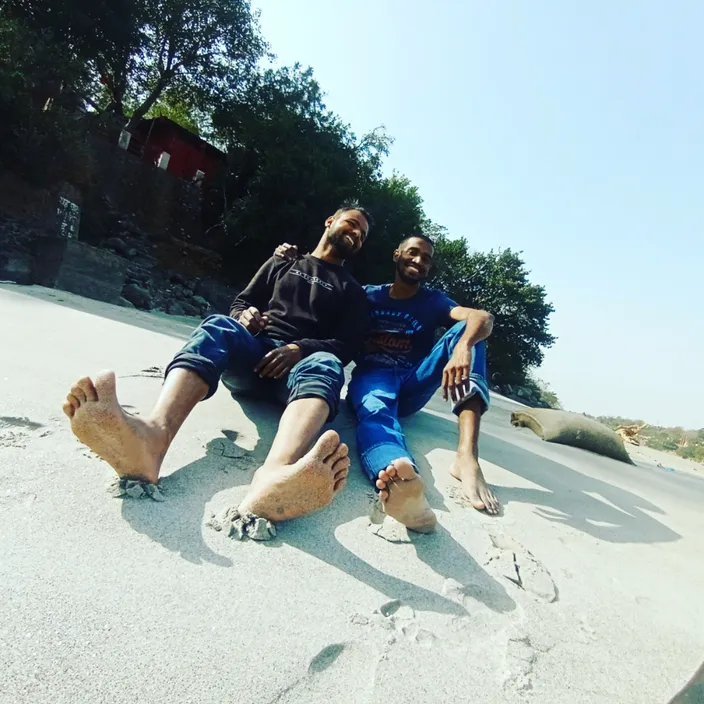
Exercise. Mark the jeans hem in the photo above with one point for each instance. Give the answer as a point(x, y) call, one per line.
point(202, 366)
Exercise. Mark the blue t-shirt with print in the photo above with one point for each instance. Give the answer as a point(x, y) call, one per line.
point(402, 331)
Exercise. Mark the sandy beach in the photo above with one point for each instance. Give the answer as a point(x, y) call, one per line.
point(586, 589)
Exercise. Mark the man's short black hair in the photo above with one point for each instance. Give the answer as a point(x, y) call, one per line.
point(425, 238)
point(355, 205)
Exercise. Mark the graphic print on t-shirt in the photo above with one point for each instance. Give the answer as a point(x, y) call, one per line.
point(401, 331)
point(390, 340)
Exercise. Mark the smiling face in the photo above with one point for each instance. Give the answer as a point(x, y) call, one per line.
point(346, 232)
point(413, 258)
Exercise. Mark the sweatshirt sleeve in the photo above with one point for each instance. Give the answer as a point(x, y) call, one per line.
point(258, 291)
point(350, 331)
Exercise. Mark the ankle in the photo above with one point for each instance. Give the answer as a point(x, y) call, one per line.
point(162, 431)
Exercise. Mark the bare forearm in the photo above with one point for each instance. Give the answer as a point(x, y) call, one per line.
point(478, 326)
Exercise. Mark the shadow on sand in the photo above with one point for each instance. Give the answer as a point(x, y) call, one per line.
point(568, 496)
point(177, 524)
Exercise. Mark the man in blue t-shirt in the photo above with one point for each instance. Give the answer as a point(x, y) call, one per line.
point(401, 368)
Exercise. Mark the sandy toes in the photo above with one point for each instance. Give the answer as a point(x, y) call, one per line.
point(402, 494)
point(468, 471)
point(280, 492)
point(130, 445)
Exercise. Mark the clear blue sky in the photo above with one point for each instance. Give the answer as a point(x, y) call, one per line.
point(573, 131)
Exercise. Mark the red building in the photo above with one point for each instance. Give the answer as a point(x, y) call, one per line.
point(164, 142)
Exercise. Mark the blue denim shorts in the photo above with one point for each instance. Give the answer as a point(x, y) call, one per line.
point(220, 347)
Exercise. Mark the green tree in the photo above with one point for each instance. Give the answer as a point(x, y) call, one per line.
point(498, 282)
point(138, 49)
point(292, 161)
point(43, 146)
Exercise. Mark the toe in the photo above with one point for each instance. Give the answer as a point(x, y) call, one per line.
point(384, 476)
point(105, 385)
point(87, 387)
point(492, 505)
point(380, 484)
point(75, 402)
point(339, 485)
point(341, 473)
point(68, 409)
point(327, 445)
point(79, 393)
point(340, 453)
point(341, 464)
point(383, 495)
point(404, 469)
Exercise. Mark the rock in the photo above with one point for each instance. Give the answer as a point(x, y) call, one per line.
point(181, 292)
point(91, 272)
point(125, 303)
point(220, 295)
point(261, 530)
point(153, 492)
point(17, 267)
point(191, 310)
point(137, 295)
point(174, 308)
point(118, 245)
point(177, 279)
point(200, 302)
point(131, 253)
point(134, 490)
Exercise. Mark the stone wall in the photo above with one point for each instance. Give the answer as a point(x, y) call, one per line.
point(156, 202)
point(124, 232)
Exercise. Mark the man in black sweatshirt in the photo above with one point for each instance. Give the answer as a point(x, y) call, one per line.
point(289, 335)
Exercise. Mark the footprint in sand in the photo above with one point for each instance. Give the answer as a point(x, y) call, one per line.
point(521, 656)
point(512, 561)
point(397, 620)
point(18, 432)
point(343, 673)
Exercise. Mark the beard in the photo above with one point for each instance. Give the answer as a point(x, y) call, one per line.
point(407, 277)
point(342, 246)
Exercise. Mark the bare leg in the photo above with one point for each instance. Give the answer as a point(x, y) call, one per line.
point(402, 493)
point(291, 483)
point(466, 466)
point(299, 426)
point(134, 447)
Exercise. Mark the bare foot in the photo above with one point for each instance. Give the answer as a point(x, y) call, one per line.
point(133, 447)
point(467, 470)
point(402, 493)
point(280, 492)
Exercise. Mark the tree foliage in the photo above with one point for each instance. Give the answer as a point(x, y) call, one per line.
point(498, 282)
point(290, 160)
point(688, 444)
point(39, 145)
point(138, 49)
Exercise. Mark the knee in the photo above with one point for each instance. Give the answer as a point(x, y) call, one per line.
point(322, 364)
point(223, 327)
point(372, 409)
point(221, 321)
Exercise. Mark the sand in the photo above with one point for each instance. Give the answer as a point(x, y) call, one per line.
point(586, 589)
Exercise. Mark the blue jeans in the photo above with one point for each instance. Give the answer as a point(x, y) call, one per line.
point(220, 347)
point(381, 395)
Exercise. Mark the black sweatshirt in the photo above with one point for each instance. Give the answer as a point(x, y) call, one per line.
point(315, 304)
